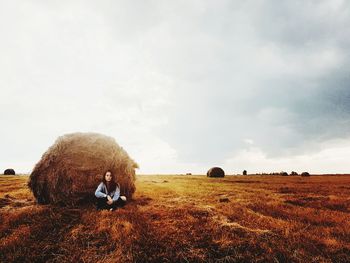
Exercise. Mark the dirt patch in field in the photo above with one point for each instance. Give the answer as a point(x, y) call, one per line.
point(245, 182)
point(8, 202)
point(286, 190)
point(321, 202)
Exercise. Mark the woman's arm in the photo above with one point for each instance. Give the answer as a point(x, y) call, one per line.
point(116, 193)
point(99, 193)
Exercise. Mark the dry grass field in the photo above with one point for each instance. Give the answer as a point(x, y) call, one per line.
point(178, 218)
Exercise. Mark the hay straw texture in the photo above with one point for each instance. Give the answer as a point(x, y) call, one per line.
point(70, 170)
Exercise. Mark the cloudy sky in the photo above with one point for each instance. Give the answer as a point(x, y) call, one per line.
point(181, 85)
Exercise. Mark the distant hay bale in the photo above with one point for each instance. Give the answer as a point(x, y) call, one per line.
point(284, 173)
point(305, 174)
point(216, 172)
point(224, 200)
point(244, 172)
point(70, 170)
point(9, 172)
point(188, 173)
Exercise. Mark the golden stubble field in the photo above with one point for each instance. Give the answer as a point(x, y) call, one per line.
point(175, 218)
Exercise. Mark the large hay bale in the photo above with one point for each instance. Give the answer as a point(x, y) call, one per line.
point(215, 172)
point(9, 172)
point(70, 170)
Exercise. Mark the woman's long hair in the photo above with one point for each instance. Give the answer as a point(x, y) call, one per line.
point(112, 185)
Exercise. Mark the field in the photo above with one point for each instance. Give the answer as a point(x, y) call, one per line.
point(177, 218)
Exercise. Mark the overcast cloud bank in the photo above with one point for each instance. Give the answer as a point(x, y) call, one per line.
point(259, 85)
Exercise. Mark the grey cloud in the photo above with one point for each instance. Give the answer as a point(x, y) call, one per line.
point(302, 23)
point(223, 106)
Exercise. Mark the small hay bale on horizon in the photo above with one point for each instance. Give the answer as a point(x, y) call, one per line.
point(215, 172)
point(71, 169)
point(9, 171)
point(305, 174)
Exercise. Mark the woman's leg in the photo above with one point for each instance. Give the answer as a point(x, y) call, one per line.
point(113, 206)
point(121, 201)
point(101, 203)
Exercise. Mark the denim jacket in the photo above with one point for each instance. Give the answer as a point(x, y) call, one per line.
point(101, 192)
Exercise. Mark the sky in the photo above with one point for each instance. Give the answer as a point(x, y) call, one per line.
point(182, 85)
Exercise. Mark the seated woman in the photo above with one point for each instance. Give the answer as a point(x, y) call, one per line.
point(108, 193)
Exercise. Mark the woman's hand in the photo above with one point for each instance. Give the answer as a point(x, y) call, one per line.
point(109, 200)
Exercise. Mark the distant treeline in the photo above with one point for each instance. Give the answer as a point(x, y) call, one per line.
point(293, 173)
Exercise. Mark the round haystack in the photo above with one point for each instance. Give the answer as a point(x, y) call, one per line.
point(71, 169)
point(9, 172)
point(215, 172)
point(305, 174)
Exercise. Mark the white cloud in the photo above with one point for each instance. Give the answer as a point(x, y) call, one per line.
point(249, 141)
point(180, 85)
point(332, 158)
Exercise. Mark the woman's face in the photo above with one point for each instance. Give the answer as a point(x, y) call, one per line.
point(108, 176)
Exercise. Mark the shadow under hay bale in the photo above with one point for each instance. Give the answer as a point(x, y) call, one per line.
point(9, 172)
point(215, 172)
point(70, 170)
